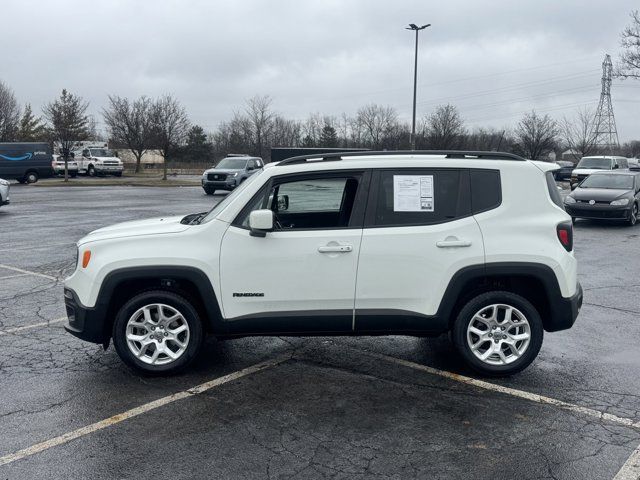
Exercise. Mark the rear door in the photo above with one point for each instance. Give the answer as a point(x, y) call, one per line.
point(418, 232)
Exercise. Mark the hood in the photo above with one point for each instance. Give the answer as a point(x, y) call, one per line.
point(599, 194)
point(226, 171)
point(588, 171)
point(154, 226)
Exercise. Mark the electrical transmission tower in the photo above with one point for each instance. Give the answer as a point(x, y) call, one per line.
point(605, 132)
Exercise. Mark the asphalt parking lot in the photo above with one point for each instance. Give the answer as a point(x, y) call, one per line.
point(388, 407)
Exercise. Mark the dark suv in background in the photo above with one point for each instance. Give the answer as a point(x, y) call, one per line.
point(230, 172)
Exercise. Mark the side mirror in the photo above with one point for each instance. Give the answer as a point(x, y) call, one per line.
point(260, 222)
point(283, 203)
point(616, 166)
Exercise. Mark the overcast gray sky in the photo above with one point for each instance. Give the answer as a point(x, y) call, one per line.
point(494, 60)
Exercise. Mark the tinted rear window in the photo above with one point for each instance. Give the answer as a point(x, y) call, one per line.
point(486, 190)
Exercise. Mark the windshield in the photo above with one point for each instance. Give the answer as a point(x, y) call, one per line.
point(229, 198)
point(622, 182)
point(233, 163)
point(598, 163)
point(100, 152)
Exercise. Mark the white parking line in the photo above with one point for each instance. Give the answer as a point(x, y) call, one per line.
point(36, 274)
point(631, 469)
point(39, 246)
point(533, 397)
point(14, 276)
point(134, 412)
point(9, 331)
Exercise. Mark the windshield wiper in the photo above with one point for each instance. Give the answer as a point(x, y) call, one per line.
point(194, 218)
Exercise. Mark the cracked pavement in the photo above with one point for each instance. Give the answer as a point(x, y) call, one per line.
point(330, 411)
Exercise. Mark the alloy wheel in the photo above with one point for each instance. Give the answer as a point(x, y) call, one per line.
point(498, 334)
point(157, 334)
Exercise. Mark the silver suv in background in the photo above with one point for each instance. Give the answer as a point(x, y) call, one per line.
point(4, 192)
point(230, 172)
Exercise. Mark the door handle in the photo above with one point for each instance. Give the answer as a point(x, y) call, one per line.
point(453, 243)
point(335, 249)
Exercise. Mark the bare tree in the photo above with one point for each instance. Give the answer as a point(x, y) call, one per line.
point(535, 136)
point(445, 128)
point(258, 111)
point(629, 66)
point(130, 124)
point(68, 123)
point(9, 114)
point(170, 125)
point(377, 122)
point(485, 139)
point(579, 134)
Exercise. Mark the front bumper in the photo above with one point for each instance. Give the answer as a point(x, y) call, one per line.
point(228, 184)
point(108, 168)
point(599, 211)
point(89, 324)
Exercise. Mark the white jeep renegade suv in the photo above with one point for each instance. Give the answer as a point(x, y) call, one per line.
point(476, 244)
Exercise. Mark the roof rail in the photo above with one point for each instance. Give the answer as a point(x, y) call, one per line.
point(336, 156)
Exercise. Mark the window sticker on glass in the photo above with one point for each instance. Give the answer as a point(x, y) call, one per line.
point(413, 193)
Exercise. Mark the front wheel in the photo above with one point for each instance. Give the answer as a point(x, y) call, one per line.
point(498, 333)
point(158, 332)
point(91, 171)
point(633, 216)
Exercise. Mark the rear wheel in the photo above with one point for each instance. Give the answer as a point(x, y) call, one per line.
point(498, 333)
point(158, 332)
point(633, 216)
point(31, 177)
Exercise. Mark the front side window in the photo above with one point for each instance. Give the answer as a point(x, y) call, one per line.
point(421, 197)
point(306, 204)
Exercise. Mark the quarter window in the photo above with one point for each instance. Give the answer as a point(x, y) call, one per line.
point(486, 191)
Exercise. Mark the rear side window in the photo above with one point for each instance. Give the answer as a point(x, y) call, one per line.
point(553, 190)
point(420, 197)
point(486, 190)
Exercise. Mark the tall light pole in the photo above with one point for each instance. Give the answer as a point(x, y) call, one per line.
point(413, 26)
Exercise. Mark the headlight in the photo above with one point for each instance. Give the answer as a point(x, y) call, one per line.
point(620, 201)
point(569, 199)
point(234, 174)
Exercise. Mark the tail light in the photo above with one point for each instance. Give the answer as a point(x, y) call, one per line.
point(565, 235)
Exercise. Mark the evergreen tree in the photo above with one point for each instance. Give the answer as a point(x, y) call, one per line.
point(31, 127)
point(328, 137)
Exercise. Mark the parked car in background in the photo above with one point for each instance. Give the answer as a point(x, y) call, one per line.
point(606, 195)
point(58, 166)
point(4, 192)
point(566, 168)
point(94, 161)
point(25, 162)
point(634, 164)
point(230, 172)
point(587, 165)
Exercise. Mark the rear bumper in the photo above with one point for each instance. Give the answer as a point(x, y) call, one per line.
point(87, 324)
point(564, 312)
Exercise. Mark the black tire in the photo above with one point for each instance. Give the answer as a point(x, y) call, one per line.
point(73, 175)
point(173, 300)
point(459, 332)
point(633, 215)
point(31, 177)
point(91, 171)
point(118, 174)
point(209, 191)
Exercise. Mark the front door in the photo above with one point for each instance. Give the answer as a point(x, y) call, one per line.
point(300, 277)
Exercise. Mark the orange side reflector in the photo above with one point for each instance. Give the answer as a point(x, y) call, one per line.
point(86, 256)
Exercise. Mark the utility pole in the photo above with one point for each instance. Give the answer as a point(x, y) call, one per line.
point(414, 27)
